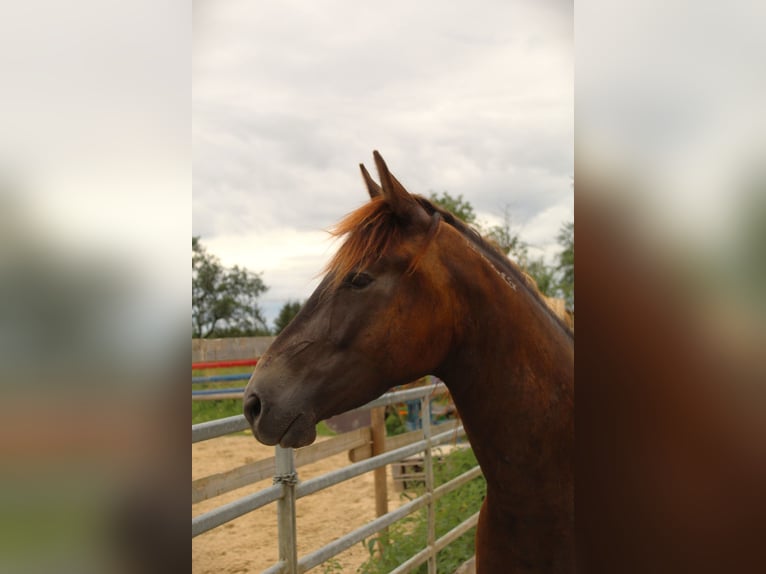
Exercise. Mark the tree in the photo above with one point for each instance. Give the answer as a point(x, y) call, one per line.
point(545, 277)
point(224, 300)
point(286, 314)
point(507, 241)
point(455, 205)
point(565, 267)
point(511, 243)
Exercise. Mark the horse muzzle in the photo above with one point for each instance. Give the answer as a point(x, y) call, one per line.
point(274, 425)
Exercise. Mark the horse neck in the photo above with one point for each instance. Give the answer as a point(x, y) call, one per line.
point(510, 373)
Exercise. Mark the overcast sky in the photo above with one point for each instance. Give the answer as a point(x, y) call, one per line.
point(289, 97)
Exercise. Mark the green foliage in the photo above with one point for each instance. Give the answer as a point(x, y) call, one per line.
point(456, 205)
point(408, 536)
point(394, 424)
point(331, 566)
point(203, 411)
point(565, 265)
point(286, 314)
point(552, 281)
point(324, 430)
point(508, 241)
point(544, 276)
point(224, 300)
point(555, 281)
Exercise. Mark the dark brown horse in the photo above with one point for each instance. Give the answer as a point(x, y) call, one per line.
point(413, 291)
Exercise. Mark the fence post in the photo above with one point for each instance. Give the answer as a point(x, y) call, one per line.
point(425, 415)
point(288, 478)
point(378, 430)
point(378, 426)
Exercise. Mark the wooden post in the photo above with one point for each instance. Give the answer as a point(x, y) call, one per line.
point(378, 425)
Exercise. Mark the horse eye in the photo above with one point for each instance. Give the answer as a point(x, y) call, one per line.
point(357, 280)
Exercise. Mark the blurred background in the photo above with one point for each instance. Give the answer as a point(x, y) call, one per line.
point(95, 207)
point(670, 207)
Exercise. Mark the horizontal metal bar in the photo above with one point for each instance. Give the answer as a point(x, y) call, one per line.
point(344, 542)
point(401, 396)
point(228, 512)
point(241, 506)
point(357, 468)
point(220, 378)
point(412, 562)
point(419, 558)
point(347, 541)
point(232, 510)
point(277, 568)
point(216, 391)
point(219, 427)
point(457, 532)
point(457, 482)
point(217, 397)
point(228, 480)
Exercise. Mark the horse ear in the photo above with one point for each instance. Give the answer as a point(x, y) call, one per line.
point(400, 200)
point(372, 188)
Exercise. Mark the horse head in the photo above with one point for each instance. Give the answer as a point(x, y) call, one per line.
point(375, 320)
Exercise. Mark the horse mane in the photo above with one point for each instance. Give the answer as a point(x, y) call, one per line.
point(499, 260)
point(374, 228)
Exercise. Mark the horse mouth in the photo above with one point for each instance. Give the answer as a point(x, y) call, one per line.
point(300, 431)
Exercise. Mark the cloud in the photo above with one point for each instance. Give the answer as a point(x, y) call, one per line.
point(289, 98)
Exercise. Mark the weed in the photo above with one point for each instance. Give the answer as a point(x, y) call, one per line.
point(408, 536)
point(332, 566)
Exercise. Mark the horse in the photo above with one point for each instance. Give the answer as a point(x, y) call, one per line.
point(412, 291)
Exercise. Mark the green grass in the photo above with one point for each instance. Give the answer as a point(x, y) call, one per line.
point(324, 430)
point(408, 536)
point(203, 411)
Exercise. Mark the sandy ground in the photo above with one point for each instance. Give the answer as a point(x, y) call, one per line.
point(249, 543)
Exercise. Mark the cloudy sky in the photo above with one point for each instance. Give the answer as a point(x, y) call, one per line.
point(289, 97)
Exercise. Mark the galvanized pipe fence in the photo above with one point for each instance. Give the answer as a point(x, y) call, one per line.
point(287, 489)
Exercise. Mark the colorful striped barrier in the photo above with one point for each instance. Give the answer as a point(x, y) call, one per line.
point(220, 393)
point(224, 364)
point(221, 378)
point(203, 392)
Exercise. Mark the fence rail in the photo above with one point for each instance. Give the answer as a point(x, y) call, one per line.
point(224, 364)
point(221, 378)
point(228, 425)
point(223, 482)
point(287, 489)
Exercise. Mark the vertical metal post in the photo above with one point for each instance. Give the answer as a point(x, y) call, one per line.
point(425, 414)
point(288, 478)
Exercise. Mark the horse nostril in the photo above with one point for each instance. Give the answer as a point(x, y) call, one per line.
point(252, 408)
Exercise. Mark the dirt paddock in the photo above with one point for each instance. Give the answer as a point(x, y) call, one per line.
point(249, 543)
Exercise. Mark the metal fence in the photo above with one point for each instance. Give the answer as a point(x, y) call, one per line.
point(287, 489)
